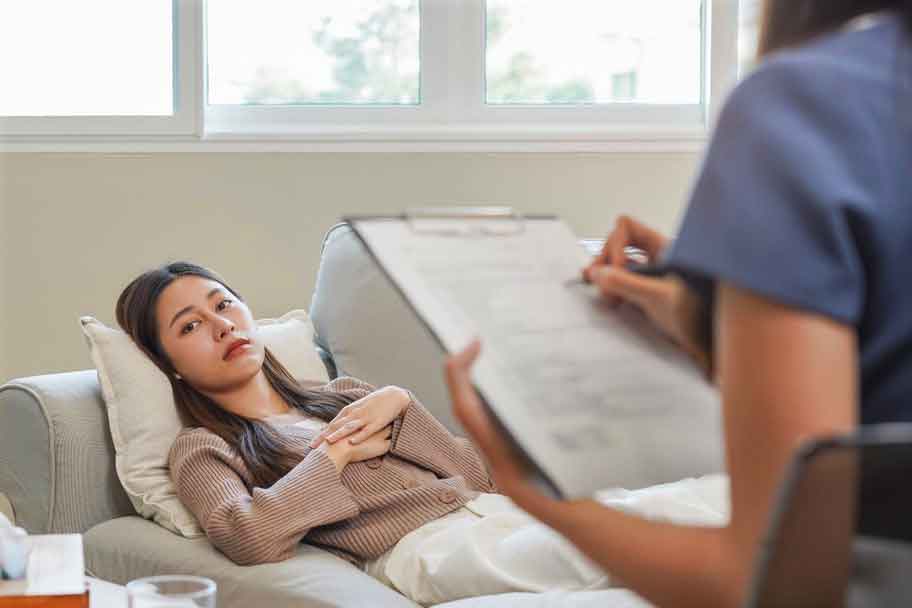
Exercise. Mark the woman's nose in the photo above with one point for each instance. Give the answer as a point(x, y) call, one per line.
point(223, 327)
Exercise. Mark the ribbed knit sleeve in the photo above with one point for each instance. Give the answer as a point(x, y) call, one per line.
point(352, 387)
point(265, 524)
point(420, 438)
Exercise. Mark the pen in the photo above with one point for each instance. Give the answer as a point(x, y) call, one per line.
point(646, 270)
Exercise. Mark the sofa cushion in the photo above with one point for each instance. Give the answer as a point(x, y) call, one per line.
point(608, 598)
point(143, 417)
point(371, 330)
point(125, 548)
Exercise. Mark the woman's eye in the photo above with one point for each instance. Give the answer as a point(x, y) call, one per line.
point(188, 327)
point(226, 301)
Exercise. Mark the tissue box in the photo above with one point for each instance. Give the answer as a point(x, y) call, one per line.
point(55, 575)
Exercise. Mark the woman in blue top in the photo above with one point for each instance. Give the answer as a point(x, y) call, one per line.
point(798, 239)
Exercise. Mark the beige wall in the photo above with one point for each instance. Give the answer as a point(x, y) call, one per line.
point(74, 228)
point(4, 287)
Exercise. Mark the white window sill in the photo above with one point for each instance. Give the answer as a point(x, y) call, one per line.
point(454, 139)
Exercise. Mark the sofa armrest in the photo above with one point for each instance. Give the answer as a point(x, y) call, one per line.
point(130, 547)
point(56, 455)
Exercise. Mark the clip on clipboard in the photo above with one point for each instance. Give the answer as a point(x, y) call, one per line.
point(485, 221)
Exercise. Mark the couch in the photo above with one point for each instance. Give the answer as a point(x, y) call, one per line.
point(57, 459)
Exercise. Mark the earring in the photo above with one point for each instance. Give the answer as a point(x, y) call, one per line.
point(178, 376)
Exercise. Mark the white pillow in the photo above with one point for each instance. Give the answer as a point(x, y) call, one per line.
point(143, 416)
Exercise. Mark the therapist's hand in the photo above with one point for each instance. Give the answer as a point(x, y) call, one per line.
point(508, 468)
point(667, 301)
point(627, 232)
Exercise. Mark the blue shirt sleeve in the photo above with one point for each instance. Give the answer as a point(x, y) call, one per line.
point(774, 209)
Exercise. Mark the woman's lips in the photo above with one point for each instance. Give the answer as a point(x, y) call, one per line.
point(237, 350)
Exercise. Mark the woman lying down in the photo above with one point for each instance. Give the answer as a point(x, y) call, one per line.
point(366, 473)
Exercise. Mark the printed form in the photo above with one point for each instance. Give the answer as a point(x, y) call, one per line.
point(595, 396)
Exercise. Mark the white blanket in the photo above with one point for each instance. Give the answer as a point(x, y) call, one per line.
point(493, 551)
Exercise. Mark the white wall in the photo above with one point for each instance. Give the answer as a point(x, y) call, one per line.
point(75, 228)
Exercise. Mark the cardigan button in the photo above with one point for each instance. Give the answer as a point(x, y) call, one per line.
point(447, 496)
point(373, 463)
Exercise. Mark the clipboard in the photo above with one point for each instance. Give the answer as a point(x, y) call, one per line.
point(428, 220)
point(564, 445)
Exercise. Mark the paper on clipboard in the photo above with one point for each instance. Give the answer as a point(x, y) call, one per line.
point(594, 396)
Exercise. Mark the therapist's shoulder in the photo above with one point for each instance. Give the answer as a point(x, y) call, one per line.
point(836, 67)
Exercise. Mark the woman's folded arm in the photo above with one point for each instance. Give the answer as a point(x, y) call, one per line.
point(264, 524)
point(420, 438)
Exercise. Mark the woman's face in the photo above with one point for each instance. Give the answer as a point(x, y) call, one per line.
point(198, 322)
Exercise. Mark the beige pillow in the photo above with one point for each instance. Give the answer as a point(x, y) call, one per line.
point(143, 416)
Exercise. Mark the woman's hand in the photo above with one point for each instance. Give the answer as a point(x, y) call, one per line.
point(627, 232)
point(343, 453)
point(667, 302)
point(362, 419)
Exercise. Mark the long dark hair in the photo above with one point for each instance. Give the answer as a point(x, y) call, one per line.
point(261, 447)
point(791, 22)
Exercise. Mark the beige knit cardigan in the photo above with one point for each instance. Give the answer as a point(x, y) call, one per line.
point(358, 514)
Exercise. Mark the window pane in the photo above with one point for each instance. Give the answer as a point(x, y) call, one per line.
point(748, 35)
point(313, 52)
point(580, 51)
point(86, 57)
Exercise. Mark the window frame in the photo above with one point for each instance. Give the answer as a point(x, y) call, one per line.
point(448, 118)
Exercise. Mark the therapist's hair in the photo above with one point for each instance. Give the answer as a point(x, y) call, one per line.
point(792, 22)
point(261, 447)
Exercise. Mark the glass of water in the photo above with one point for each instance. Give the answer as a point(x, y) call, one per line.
point(171, 591)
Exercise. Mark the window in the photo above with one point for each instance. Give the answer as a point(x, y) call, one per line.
point(584, 52)
point(93, 67)
point(319, 52)
point(402, 71)
point(79, 73)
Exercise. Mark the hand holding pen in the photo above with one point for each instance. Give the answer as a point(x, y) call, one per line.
point(631, 242)
point(626, 270)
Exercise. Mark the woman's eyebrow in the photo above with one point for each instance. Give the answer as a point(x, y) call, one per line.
point(187, 309)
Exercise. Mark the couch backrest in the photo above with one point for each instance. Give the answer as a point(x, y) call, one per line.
point(370, 330)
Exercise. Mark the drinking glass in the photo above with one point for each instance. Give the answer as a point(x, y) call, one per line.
point(171, 591)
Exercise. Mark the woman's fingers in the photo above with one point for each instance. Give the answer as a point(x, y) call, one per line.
point(470, 412)
point(507, 468)
point(330, 428)
point(366, 432)
point(316, 441)
point(627, 232)
point(336, 430)
point(345, 430)
point(629, 286)
point(457, 375)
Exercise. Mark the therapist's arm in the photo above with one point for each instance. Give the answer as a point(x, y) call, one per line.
point(785, 375)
